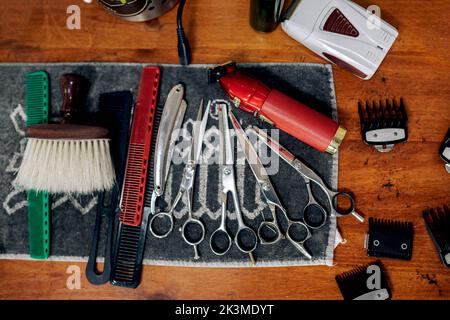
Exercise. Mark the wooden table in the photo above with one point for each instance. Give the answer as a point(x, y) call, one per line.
point(396, 185)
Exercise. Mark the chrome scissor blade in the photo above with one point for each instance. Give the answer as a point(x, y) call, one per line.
point(226, 150)
point(199, 133)
point(258, 169)
point(250, 153)
point(275, 146)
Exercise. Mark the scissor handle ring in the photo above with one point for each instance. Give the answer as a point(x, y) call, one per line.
point(308, 221)
point(184, 232)
point(159, 216)
point(241, 246)
point(345, 212)
point(301, 224)
point(272, 226)
point(216, 249)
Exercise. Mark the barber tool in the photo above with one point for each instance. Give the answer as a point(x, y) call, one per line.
point(383, 126)
point(298, 232)
point(187, 186)
point(444, 151)
point(265, 14)
point(341, 32)
point(356, 284)
point(145, 10)
point(278, 109)
point(130, 240)
point(115, 113)
point(245, 239)
point(67, 157)
point(438, 225)
point(36, 106)
point(171, 121)
point(389, 238)
point(310, 176)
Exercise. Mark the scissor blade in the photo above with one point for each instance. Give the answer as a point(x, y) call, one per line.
point(226, 151)
point(275, 146)
point(250, 153)
point(199, 133)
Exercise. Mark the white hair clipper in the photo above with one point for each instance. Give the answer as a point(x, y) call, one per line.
point(341, 32)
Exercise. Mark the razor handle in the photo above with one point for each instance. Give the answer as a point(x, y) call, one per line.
point(282, 111)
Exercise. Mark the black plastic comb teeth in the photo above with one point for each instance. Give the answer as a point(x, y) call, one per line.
point(383, 124)
point(364, 283)
point(389, 238)
point(438, 225)
point(130, 244)
point(114, 114)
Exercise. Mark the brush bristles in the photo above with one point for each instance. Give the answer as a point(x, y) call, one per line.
point(66, 166)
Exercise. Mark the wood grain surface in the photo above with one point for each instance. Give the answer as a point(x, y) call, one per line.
point(396, 185)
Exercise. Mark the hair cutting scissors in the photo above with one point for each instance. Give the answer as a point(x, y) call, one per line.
point(297, 232)
point(245, 239)
point(309, 175)
point(187, 186)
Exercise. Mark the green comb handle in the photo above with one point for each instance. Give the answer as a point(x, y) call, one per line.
point(37, 104)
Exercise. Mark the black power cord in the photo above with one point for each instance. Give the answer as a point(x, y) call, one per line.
point(184, 51)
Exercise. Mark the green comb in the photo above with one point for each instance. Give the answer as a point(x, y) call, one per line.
point(37, 104)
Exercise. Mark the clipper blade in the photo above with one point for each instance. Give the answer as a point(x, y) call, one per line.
point(383, 123)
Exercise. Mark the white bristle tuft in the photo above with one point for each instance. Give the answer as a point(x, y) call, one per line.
point(66, 166)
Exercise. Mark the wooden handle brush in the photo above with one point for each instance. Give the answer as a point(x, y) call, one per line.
point(67, 157)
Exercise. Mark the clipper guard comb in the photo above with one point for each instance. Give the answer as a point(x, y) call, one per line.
point(437, 222)
point(389, 238)
point(364, 283)
point(383, 124)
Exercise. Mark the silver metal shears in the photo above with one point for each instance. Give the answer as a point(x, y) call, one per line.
point(297, 232)
point(310, 176)
point(245, 239)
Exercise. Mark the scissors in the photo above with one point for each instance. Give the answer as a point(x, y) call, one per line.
point(220, 241)
point(297, 232)
point(310, 176)
point(187, 186)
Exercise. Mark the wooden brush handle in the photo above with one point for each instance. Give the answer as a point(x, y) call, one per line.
point(74, 94)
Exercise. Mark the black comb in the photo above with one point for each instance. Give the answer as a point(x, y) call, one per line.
point(383, 124)
point(364, 283)
point(114, 114)
point(389, 238)
point(130, 241)
point(444, 151)
point(438, 225)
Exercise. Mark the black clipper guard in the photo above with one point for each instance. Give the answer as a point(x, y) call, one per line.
point(364, 283)
point(383, 125)
point(437, 222)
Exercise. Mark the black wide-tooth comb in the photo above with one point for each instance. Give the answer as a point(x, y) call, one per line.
point(383, 124)
point(389, 238)
point(438, 225)
point(364, 283)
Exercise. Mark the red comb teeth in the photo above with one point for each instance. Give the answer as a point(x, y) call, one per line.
point(139, 150)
